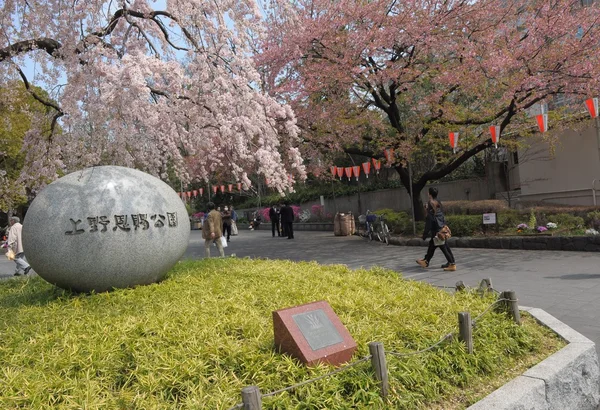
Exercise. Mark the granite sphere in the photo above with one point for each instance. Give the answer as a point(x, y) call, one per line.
point(105, 227)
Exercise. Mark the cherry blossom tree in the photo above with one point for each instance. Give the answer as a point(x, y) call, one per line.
point(371, 75)
point(162, 86)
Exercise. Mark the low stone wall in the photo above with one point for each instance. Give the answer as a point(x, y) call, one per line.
point(541, 243)
point(567, 380)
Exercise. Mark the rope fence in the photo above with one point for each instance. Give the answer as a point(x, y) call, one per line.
point(507, 300)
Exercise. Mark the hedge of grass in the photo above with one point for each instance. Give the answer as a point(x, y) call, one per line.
point(197, 338)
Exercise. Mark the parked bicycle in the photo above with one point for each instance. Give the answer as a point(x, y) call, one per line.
point(381, 230)
point(374, 226)
point(366, 225)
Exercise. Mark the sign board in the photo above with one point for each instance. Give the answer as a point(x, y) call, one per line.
point(322, 198)
point(489, 219)
point(312, 333)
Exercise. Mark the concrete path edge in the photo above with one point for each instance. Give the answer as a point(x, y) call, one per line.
point(569, 379)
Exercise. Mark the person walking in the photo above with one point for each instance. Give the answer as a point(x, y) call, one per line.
point(234, 218)
point(435, 223)
point(211, 230)
point(226, 215)
point(274, 217)
point(15, 243)
point(287, 219)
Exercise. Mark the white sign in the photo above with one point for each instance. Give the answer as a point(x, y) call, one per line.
point(489, 219)
point(322, 200)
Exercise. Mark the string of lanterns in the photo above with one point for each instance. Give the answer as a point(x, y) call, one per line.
point(215, 188)
point(542, 122)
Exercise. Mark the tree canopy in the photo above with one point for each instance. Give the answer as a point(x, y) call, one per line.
point(159, 86)
point(363, 76)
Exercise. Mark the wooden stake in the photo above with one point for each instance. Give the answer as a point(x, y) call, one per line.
point(465, 327)
point(380, 366)
point(513, 305)
point(251, 398)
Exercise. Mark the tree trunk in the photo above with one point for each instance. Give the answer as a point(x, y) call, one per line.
point(418, 204)
point(416, 190)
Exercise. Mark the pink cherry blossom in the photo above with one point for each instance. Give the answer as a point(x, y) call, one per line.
point(161, 90)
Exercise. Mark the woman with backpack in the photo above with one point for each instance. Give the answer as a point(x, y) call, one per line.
point(438, 231)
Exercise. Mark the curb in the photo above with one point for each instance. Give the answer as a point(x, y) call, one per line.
point(569, 379)
point(542, 243)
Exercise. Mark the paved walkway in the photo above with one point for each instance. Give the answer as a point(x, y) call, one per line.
point(566, 284)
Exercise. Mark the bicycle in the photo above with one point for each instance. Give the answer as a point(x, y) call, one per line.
point(366, 222)
point(381, 230)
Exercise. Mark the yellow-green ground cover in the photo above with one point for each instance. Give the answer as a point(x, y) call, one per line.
point(196, 339)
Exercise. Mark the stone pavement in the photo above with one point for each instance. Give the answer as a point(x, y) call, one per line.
point(565, 284)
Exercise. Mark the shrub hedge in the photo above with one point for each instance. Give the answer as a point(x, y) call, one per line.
point(196, 339)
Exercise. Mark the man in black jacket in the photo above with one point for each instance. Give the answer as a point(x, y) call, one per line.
point(287, 219)
point(274, 216)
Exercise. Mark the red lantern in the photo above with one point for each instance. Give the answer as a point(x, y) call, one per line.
point(230, 186)
point(366, 168)
point(376, 164)
point(201, 191)
point(592, 106)
point(389, 155)
point(215, 189)
point(239, 186)
point(340, 172)
point(356, 171)
point(453, 140)
point(495, 131)
point(222, 189)
point(333, 170)
point(195, 193)
point(348, 171)
point(542, 119)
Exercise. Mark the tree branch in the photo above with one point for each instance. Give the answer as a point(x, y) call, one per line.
point(51, 46)
point(59, 113)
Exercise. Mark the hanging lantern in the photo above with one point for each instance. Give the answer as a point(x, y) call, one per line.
point(340, 172)
point(376, 164)
point(201, 191)
point(215, 189)
point(195, 193)
point(230, 187)
point(453, 140)
point(348, 171)
point(389, 155)
point(542, 119)
point(495, 131)
point(592, 106)
point(222, 189)
point(366, 168)
point(333, 170)
point(239, 186)
point(189, 194)
point(356, 171)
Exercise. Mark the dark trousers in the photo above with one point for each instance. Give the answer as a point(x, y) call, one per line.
point(289, 229)
point(275, 224)
point(444, 248)
point(227, 229)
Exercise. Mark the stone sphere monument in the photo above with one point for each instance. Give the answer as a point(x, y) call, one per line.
point(105, 227)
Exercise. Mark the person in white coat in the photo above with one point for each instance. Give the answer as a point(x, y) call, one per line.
point(15, 244)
